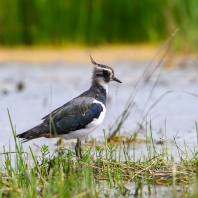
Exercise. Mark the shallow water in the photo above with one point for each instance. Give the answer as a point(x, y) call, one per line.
point(47, 87)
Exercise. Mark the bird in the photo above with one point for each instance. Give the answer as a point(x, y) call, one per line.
point(80, 116)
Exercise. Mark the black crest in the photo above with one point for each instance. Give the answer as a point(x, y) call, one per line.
point(97, 64)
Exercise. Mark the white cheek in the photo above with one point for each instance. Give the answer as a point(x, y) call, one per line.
point(105, 85)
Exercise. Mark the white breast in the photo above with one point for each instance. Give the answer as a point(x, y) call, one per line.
point(98, 121)
point(80, 134)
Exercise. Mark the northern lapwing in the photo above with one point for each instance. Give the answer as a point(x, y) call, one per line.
point(79, 117)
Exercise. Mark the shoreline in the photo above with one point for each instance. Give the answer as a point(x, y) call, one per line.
point(80, 55)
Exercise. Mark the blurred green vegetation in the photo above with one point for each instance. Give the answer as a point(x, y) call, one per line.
point(49, 22)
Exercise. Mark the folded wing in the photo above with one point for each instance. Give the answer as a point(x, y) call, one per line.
point(72, 116)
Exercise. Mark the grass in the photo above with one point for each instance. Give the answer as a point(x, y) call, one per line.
point(86, 22)
point(105, 170)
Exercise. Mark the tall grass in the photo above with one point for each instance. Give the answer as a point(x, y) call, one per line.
point(49, 22)
point(102, 169)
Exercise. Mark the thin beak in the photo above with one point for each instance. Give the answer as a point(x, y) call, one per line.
point(115, 79)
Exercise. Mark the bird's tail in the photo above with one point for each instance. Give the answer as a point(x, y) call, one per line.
point(42, 130)
point(23, 135)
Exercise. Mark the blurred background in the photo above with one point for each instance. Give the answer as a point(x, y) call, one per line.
point(86, 22)
point(44, 61)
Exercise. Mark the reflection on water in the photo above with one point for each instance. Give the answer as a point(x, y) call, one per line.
point(32, 91)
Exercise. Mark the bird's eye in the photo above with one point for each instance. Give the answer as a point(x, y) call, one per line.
point(105, 73)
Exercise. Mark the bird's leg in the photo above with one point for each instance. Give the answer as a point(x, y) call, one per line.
point(78, 148)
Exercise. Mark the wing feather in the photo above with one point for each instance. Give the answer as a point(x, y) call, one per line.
point(72, 116)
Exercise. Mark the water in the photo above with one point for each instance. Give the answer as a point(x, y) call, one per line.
point(47, 87)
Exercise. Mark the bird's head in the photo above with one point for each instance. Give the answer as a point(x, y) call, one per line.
point(102, 73)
